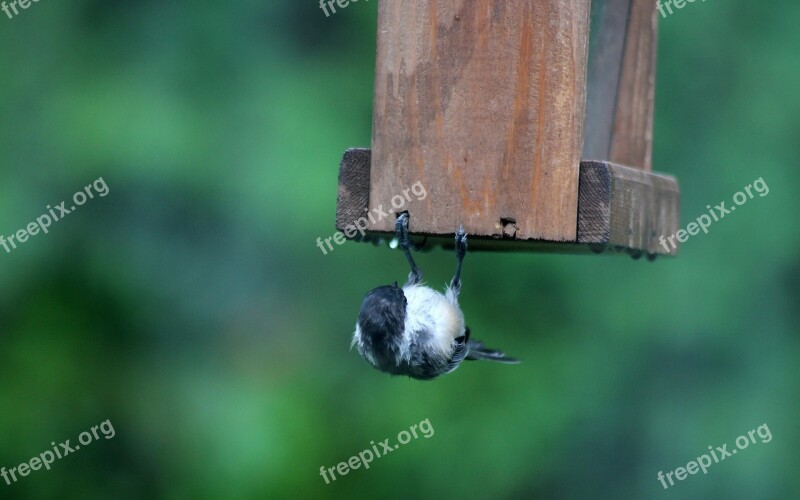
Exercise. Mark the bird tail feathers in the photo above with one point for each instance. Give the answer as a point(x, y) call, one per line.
point(478, 351)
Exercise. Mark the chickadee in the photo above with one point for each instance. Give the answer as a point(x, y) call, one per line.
point(415, 330)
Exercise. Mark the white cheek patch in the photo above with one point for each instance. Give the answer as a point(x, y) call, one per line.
point(356, 338)
point(430, 311)
point(358, 342)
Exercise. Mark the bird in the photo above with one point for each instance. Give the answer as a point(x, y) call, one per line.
point(415, 330)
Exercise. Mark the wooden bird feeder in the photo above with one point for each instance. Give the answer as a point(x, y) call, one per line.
point(529, 122)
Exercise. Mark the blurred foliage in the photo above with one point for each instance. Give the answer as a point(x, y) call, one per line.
point(192, 308)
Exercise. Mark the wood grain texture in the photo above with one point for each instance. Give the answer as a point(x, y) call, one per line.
point(632, 140)
point(483, 102)
point(354, 185)
point(627, 208)
point(619, 209)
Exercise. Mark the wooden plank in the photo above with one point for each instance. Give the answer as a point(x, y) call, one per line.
point(619, 209)
point(632, 141)
point(626, 208)
point(353, 198)
point(482, 101)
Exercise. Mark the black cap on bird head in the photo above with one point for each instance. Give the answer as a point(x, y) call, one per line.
point(382, 319)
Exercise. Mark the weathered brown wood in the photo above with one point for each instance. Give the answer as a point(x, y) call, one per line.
point(619, 209)
point(627, 208)
point(482, 101)
point(354, 187)
point(632, 140)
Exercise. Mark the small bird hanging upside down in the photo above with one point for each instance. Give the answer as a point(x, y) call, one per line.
point(415, 330)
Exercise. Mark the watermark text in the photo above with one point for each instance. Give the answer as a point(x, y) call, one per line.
point(366, 457)
point(703, 462)
point(715, 214)
point(44, 221)
point(46, 458)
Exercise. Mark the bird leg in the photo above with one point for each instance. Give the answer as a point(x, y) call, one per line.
point(401, 228)
point(461, 251)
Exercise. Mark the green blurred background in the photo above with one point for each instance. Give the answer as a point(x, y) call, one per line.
point(192, 308)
